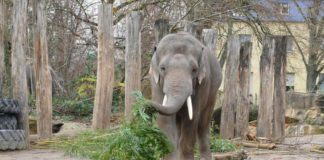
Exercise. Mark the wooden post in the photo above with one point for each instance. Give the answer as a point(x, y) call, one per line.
point(243, 102)
point(194, 29)
point(209, 38)
point(279, 96)
point(162, 27)
point(133, 60)
point(2, 49)
point(105, 74)
point(230, 92)
point(18, 60)
point(264, 126)
point(42, 72)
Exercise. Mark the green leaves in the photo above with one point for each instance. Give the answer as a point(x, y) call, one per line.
point(138, 139)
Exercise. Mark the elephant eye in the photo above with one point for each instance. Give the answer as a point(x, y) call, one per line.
point(194, 70)
point(162, 68)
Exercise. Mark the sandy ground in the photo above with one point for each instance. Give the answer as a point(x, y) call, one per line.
point(294, 148)
point(35, 154)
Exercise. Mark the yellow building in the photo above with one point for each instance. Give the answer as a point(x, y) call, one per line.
point(296, 71)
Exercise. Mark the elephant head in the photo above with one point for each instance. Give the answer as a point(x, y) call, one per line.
point(177, 68)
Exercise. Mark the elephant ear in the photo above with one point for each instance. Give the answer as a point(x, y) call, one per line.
point(202, 65)
point(153, 67)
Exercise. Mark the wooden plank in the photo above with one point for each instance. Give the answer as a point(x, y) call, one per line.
point(227, 126)
point(132, 59)
point(18, 61)
point(105, 73)
point(279, 96)
point(243, 102)
point(42, 72)
point(194, 28)
point(266, 89)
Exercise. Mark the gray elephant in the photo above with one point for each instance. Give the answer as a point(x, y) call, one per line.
point(185, 77)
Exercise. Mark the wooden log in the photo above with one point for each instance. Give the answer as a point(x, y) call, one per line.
point(161, 28)
point(2, 48)
point(18, 61)
point(209, 38)
point(133, 60)
point(279, 96)
point(227, 126)
point(259, 145)
point(243, 102)
point(264, 121)
point(42, 72)
point(105, 73)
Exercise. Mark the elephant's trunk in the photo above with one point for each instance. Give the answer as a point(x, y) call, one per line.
point(172, 105)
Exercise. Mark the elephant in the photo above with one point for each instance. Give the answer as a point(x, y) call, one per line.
point(185, 76)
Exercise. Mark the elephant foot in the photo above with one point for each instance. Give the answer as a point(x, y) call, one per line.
point(206, 156)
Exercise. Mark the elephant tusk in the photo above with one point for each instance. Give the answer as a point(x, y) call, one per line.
point(165, 99)
point(189, 105)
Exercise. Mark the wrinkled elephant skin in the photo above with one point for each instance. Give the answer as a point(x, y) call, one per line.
point(185, 76)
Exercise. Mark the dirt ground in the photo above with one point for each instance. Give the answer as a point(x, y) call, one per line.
point(294, 148)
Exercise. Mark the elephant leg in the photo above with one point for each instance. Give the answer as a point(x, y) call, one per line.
point(168, 126)
point(187, 139)
point(203, 134)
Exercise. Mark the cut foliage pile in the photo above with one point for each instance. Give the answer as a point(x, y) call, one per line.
point(137, 139)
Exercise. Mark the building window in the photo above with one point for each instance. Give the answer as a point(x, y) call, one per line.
point(245, 38)
point(290, 82)
point(284, 8)
point(290, 44)
point(321, 83)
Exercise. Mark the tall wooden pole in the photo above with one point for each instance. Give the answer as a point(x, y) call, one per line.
point(209, 38)
point(161, 28)
point(2, 49)
point(18, 59)
point(42, 72)
point(243, 102)
point(279, 97)
point(105, 73)
point(133, 60)
point(227, 126)
point(264, 122)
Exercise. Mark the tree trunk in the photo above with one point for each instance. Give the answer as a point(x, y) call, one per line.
point(18, 58)
point(209, 38)
point(227, 126)
point(312, 73)
point(2, 50)
point(243, 103)
point(105, 74)
point(162, 27)
point(266, 89)
point(42, 72)
point(279, 97)
point(133, 60)
point(223, 56)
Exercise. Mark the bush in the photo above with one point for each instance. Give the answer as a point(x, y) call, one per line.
point(221, 145)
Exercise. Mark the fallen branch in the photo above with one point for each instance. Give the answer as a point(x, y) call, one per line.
point(259, 145)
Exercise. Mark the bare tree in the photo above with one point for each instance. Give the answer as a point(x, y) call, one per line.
point(105, 75)
point(2, 49)
point(42, 72)
point(18, 58)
